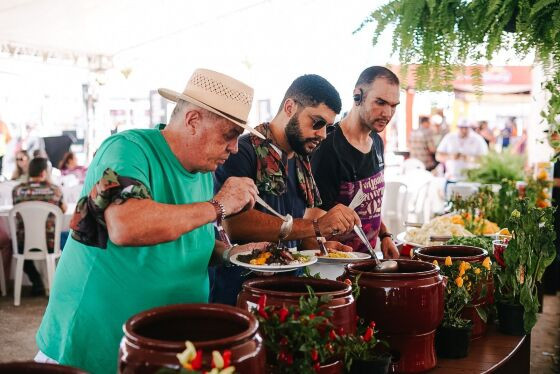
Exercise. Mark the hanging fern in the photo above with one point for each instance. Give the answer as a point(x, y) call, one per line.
point(440, 36)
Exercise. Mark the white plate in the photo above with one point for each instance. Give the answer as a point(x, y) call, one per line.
point(270, 268)
point(356, 256)
point(401, 235)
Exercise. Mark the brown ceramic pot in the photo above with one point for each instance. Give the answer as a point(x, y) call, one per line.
point(287, 291)
point(32, 367)
point(468, 254)
point(153, 338)
point(406, 306)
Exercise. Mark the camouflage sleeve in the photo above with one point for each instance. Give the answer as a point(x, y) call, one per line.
point(88, 222)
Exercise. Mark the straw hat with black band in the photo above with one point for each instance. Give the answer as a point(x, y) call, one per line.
point(217, 93)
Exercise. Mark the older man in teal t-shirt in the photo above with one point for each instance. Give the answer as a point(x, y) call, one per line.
point(153, 247)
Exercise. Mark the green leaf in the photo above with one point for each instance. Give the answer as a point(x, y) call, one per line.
point(482, 313)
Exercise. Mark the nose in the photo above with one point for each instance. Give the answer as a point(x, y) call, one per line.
point(321, 133)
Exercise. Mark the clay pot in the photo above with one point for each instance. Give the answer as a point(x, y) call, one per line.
point(153, 338)
point(468, 254)
point(288, 290)
point(407, 307)
point(32, 367)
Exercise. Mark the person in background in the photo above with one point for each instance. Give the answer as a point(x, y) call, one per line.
point(509, 131)
point(421, 144)
point(485, 132)
point(460, 150)
point(351, 158)
point(281, 169)
point(69, 165)
point(38, 188)
point(5, 138)
point(22, 165)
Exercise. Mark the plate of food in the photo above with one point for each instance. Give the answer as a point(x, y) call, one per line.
point(335, 257)
point(273, 258)
point(443, 226)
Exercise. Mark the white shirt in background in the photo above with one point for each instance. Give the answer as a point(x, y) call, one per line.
point(472, 145)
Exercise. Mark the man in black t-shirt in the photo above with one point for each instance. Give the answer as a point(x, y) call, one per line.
point(351, 158)
point(281, 169)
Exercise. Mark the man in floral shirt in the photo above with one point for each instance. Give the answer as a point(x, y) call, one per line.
point(37, 189)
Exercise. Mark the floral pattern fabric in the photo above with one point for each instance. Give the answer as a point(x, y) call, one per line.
point(88, 222)
point(272, 169)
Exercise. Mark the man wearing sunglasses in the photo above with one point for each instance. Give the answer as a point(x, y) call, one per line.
point(351, 158)
point(281, 169)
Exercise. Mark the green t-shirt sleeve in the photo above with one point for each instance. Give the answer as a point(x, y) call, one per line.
point(123, 156)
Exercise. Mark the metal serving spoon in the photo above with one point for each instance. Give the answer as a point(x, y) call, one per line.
point(389, 266)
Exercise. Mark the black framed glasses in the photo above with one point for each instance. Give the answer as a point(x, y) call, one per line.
point(20, 159)
point(318, 123)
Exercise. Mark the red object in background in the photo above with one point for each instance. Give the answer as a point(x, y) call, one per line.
point(406, 249)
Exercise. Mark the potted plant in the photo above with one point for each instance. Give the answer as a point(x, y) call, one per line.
point(465, 281)
point(299, 339)
point(528, 253)
point(192, 362)
point(364, 352)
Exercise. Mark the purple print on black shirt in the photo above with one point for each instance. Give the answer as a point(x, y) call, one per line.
point(369, 211)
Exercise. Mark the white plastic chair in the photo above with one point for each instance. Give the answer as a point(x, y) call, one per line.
point(34, 215)
point(412, 165)
point(71, 194)
point(394, 209)
point(6, 192)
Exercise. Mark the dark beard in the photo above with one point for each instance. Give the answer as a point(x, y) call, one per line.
point(294, 136)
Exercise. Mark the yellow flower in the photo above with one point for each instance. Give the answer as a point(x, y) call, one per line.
point(448, 261)
point(477, 271)
point(467, 265)
point(487, 263)
point(435, 263)
point(459, 282)
point(461, 271)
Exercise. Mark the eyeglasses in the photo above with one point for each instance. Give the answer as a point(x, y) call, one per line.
point(318, 123)
point(20, 159)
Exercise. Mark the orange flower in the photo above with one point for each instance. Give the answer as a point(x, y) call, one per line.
point(459, 282)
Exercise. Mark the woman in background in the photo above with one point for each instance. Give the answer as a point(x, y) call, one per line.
point(69, 165)
point(22, 164)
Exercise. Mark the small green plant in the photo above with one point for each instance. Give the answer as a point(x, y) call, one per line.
point(465, 281)
point(494, 167)
point(530, 251)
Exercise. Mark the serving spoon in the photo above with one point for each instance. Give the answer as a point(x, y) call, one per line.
point(389, 266)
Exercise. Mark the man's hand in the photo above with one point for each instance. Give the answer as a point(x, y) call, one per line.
point(337, 246)
point(338, 220)
point(388, 248)
point(237, 194)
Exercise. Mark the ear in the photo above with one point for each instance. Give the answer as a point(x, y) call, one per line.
point(193, 119)
point(290, 107)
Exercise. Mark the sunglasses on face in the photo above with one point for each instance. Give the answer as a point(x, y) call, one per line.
point(318, 123)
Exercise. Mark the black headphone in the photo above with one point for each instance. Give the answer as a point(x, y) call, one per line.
point(358, 97)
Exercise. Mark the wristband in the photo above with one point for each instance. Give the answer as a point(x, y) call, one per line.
point(385, 235)
point(220, 210)
point(286, 227)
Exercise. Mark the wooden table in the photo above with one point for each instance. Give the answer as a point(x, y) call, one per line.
point(493, 353)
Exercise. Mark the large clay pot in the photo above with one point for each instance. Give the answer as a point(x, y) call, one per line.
point(468, 254)
point(31, 367)
point(288, 290)
point(406, 306)
point(153, 338)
